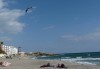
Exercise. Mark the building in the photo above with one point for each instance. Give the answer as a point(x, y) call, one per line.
point(10, 49)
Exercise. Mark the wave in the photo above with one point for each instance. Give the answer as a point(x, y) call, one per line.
point(80, 60)
point(91, 58)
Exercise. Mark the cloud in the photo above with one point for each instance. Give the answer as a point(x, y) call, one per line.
point(9, 19)
point(90, 36)
point(2, 4)
point(49, 27)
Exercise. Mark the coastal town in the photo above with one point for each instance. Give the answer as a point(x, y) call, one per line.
point(15, 51)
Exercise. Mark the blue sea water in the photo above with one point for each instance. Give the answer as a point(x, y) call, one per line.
point(92, 58)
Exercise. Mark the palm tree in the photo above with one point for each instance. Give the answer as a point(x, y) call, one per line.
point(1, 43)
point(1, 51)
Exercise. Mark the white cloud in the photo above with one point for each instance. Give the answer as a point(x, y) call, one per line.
point(89, 36)
point(2, 4)
point(9, 19)
point(49, 27)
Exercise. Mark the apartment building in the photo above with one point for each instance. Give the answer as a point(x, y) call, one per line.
point(10, 49)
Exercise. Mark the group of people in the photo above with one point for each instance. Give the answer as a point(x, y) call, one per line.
point(46, 65)
point(5, 63)
point(60, 65)
point(49, 65)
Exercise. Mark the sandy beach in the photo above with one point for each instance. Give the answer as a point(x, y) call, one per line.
point(24, 63)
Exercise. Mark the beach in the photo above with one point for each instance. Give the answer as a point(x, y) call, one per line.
point(26, 63)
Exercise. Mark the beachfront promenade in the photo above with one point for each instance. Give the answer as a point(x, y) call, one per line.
point(26, 63)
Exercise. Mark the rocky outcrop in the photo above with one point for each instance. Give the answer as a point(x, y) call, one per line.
point(41, 54)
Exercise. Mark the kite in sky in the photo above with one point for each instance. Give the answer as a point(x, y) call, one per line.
point(28, 9)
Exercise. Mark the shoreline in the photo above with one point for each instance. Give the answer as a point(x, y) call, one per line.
point(26, 63)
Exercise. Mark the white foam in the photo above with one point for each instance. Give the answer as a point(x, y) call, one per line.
point(81, 60)
point(86, 63)
point(34, 58)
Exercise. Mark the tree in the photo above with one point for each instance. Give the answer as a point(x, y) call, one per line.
point(1, 51)
point(1, 43)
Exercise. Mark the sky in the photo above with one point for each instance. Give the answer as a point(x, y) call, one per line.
point(56, 26)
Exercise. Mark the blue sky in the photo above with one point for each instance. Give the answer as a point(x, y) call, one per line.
point(57, 26)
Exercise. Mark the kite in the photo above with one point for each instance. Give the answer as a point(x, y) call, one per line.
point(29, 8)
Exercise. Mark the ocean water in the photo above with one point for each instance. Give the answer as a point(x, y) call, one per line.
point(92, 58)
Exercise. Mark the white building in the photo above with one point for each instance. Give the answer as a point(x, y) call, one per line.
point(10, 49)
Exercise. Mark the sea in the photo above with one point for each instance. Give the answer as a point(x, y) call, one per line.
point(91, 58)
